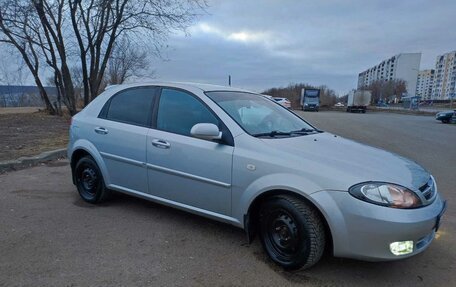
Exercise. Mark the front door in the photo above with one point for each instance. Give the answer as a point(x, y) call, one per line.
point(182, 168)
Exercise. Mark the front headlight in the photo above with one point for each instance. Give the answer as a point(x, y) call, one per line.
point(386, 194)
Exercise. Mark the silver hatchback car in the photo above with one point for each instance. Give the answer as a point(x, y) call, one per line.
point(237, 157)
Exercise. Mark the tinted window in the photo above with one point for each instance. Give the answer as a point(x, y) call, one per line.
point(133, 106)
point(178, 112)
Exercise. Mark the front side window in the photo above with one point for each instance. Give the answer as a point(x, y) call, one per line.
point(132, 106)
point(179, 111)
point(258, 115)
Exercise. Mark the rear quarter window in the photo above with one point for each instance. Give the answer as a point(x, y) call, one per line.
point(132, 106)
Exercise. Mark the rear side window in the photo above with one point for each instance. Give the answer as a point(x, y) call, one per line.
point(132, 106)
point(179, 111)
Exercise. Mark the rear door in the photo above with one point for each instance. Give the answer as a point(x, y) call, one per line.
point(120, 134)
point(185, 169)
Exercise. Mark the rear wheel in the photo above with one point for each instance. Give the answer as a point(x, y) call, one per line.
point(292, 232)
point(445, 121)
point(89, 181)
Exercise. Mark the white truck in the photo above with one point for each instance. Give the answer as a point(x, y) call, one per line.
point(358, 101)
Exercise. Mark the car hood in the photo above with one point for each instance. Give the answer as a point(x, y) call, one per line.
point(446, 112)
point(338, 163)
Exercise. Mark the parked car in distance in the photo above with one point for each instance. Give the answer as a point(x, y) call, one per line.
point(446, 116)
point(338, 105)
point(382, 105)
point(284, 102)
point(237, 157)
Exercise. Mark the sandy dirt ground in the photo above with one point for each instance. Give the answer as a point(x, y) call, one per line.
point(50, 237)
point(27, 132)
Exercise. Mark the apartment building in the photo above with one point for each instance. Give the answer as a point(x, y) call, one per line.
point(404, 66)
point(425, 84)
point(445, 77)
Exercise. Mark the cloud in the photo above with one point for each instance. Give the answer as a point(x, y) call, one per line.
point(243, 36)
point(266, 42)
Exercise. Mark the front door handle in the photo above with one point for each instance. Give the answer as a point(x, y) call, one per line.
point(160, 143)
point(101, 130)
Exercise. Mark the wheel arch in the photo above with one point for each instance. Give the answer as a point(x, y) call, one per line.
point(252, 216)
point(84, 148)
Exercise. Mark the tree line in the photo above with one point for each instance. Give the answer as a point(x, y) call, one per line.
point(292, 92)
point(82, 45)
point(386, 91)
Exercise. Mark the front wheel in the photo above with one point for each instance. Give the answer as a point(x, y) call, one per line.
point(89, 181)
point(292, 232)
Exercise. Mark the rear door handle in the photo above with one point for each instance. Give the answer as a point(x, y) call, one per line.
point(101, 130)
point(160, 143)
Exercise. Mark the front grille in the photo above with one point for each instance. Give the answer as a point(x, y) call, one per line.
point(428, 189)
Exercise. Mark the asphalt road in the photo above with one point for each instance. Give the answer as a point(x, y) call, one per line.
point(50, 237)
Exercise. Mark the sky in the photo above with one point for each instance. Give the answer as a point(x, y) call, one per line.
point(272, 43)
point(267, 43)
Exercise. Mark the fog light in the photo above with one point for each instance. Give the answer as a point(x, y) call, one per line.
point(401, 247)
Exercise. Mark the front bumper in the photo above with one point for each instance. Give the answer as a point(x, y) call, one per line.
point(442, 117)
point(362, 230)
point(310, 108)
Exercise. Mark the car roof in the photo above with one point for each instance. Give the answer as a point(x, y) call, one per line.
point(182, 85)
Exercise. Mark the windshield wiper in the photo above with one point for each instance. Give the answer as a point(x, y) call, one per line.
point(306, 131)
point(303, 131)
point(272, 134)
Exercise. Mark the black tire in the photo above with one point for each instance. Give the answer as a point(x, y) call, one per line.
point(364, 111)
point(292, 232)
point(446, 121)
point(89, 181)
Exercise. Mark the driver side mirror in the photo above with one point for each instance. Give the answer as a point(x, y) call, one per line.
point(206, 131)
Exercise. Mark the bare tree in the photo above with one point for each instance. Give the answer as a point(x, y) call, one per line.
point(98, 24)
point(328, 96)
point(19, 30)
point(127, 60)
point(63, 32)
point(386, 90)
point(51, 17)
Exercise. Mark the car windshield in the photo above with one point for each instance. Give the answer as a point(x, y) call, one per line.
point(259, 116)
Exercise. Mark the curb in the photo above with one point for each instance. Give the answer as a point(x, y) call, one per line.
point(27, 161)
